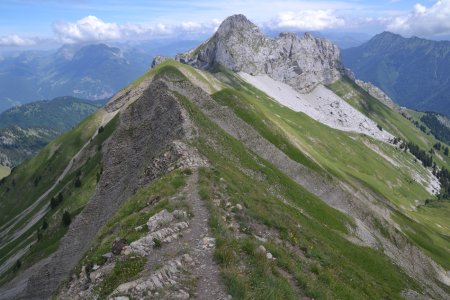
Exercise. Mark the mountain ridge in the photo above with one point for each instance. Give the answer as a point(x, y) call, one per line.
point(70, 71)
point(26, 129)
point(291, 207)
point(412, 71)
point(287, 58)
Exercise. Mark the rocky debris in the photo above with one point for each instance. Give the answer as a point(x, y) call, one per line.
point(321, 104)
point(118, 245)
point(443, 120)
point(209, 242)
point(152, 120)
point(159, 220)
point(164, 277)
point(81, 287)
point(190, 158)
point(179, 214)
point(139, 228)
point(178, 156)
point(202, 279)
point(238, 44)
point(181, 295)
point(162, 229)
point(120, 298)
point(159, 59)
point(84, 286)
point(261, 250)
point(377, 93)
point(101, 272)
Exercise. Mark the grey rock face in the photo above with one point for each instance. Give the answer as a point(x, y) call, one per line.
point(147, 129)
point(239, 45)
point(377, 93)
point(159, 59)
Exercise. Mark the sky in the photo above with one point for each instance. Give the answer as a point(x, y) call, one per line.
point(34, 23)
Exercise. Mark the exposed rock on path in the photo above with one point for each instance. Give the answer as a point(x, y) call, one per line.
point(179, 266)
point(196, 240)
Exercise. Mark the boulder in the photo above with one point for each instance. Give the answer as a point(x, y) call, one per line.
point(118, 245)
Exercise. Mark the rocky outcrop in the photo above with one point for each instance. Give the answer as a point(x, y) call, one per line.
point(159, 59)
point(377, 93)
point(163, 278)
point(146, 134)
point(178, 253)
point(238, 44)
point(162, 229)
point(443, 120)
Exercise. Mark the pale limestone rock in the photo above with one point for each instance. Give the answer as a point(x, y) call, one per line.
point(377, 93)
point(261, 250)
point(159, 59)
point(158, 220)
point(238, 44)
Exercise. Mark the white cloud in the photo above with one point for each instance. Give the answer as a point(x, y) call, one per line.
point(308, 20)
point(191, 25)
point(91, 28)
point(423, 21)
point(15, 40)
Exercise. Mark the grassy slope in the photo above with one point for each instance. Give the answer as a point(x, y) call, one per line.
point(346, 157)
point(74, 197)
point(392, 121)
point(429, 225)
point(59, 114)
point(49, 163)
point(342, 154)
point(312, 249)
point(439, 155)
point(31, 126)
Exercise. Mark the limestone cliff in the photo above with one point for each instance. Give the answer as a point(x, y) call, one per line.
point(238, 44)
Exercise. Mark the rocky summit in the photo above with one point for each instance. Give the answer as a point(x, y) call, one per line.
point(255, 169)
point(239, 45)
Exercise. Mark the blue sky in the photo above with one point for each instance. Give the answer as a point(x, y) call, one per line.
point(32, 22)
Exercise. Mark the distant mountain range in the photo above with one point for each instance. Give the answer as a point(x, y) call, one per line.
point(25, 129)
point(414, 72)
point(92, 72)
